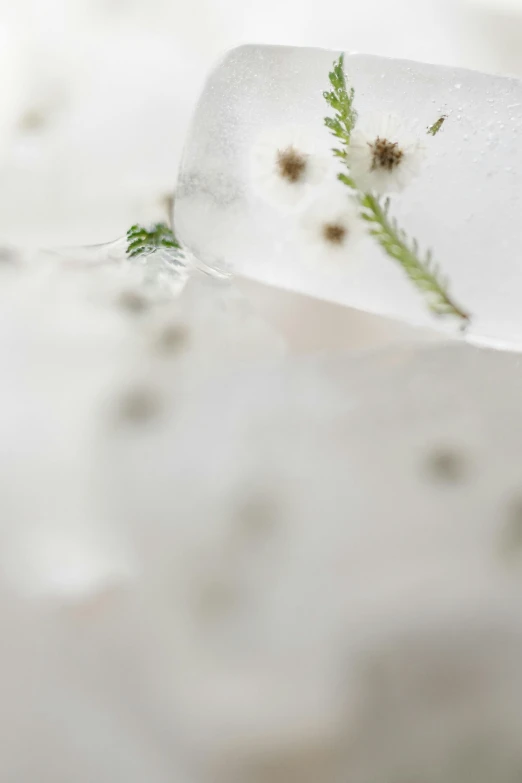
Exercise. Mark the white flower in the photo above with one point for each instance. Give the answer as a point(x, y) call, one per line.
point(284, 163)
point(383, 155)
point(330, 230)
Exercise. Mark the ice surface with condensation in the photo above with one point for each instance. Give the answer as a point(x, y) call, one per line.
point(465, 205)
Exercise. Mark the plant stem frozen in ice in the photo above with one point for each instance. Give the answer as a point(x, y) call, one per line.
point(341, 101)
point(423, 272)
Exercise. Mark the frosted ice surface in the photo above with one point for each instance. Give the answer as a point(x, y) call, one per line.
point(465, 205)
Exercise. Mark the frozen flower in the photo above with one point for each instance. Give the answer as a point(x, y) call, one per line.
point(330, 229)
point(284, 163)
point(383, 156)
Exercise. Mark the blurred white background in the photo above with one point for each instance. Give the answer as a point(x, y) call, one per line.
point(97, 94)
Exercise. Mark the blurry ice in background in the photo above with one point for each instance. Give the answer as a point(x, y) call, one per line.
point(100, 92)
point(491, 31)
point(221, 567)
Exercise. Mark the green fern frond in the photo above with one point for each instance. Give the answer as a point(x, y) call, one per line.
point(142, 241)
point(347, 180)
point(422, 271)
point(341, 101)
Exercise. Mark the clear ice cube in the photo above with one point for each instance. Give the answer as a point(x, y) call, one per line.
point(465, 205)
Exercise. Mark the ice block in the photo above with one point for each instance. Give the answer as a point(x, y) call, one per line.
point(464, 204)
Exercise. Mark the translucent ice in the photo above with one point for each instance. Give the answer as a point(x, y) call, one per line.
point(248, 572)
point(465, 205)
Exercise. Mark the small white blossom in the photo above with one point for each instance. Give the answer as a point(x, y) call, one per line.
point(384, 156)
point(284, 163)
point(330, 230)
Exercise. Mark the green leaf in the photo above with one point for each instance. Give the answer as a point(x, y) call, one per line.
point(348, 181)
point(436, 127)
point(341, 101)
point(142, 241)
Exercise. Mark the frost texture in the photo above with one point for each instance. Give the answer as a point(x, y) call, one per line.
point(465, 205)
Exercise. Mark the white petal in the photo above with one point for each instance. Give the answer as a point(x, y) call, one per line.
point(361, 158)
point(332, 208)
point(267, 182)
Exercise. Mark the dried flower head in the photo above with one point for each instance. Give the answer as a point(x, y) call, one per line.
point(448, 465)
point(284, 163)
point(172, 339)
point(335, 233)
point(383, 156)
point(132, 301)
point(330, 229)
point(291, 164)
point(138, 405)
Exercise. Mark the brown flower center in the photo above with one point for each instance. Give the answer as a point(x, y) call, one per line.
point(385, 154)
point(334, 233)
point(291, 164)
